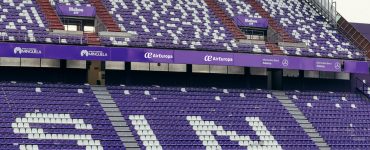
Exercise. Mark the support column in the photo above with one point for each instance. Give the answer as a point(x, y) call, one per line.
point(95, 73)
point(275, 79)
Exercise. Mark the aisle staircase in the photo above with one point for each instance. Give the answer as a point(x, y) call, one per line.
point(225, 19)
point(104, 16)
point(115, 116)
point(301, 119)
point(272, 23)
point(50, 15)
point(92, 39)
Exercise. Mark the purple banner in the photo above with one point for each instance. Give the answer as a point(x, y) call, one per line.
point(179, 57)
point(320, 64)
point(150, 55)
point(78, 52)
point(244, 21)
point(356, 66)
point(22, 50)
point(81, 11)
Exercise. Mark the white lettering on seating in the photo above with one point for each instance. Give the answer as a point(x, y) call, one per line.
point(204, 131)
point(22, 126)
point(146, 133)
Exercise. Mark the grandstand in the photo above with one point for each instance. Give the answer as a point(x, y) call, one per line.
point(182, 75)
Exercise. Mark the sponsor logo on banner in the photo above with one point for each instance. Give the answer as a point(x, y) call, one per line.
point(338, 66)
point(151, 55)
point(270, 61)
point(75, 10)
point(20, 50)
point(285, 62)
point(328, 65)
point(251, 21)
point(87, 53)
point(210, 58)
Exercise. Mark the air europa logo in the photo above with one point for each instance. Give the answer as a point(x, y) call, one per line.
point(88, 53)
point(210, 58)
point(20, 50)
point(150, 55)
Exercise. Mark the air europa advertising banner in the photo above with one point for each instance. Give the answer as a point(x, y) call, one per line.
point(50, 51)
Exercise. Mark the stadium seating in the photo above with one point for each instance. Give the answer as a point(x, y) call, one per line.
point(305, 24)
point(181, 24)
point(340, 118)
point(190, 118)
point(238, 7)
point(53, 116)
point(21, 21)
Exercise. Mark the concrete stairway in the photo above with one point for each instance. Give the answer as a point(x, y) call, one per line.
point(92, 38)
point(115, 116)
point(301, 119)
point(104, 16)
point(274, 48)
point(50, 15)
point(272, 23)
point(225, 19)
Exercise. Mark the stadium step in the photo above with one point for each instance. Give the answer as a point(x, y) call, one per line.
point(51, 16)
point(225, 19)
point(274, 48)
point(272, 23)
point(92, 39)
point(301, 119)
point(115, 116)
point(359, 40)
point(104, 16)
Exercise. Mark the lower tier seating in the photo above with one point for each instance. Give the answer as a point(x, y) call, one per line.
point(53, 116)
point(341, 118)
point(208, 118)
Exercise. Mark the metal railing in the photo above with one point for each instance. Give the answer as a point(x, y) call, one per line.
point(327, 8)
point(362, 87)
point(254, 34)
point(23, 37)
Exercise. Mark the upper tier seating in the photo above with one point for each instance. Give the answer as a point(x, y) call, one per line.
point(178, 24)
point(305, 24)
point(238, 7)
point(53, 116)
point(21, 21)
point(342, 119)
point(168, 116)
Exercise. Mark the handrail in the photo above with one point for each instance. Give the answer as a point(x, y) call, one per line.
point(25, 38)
point(362, 87)
point(328, 9)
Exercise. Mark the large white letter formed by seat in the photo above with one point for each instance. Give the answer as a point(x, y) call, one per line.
point(145, 132)
point(204, 131)
point(22, 126)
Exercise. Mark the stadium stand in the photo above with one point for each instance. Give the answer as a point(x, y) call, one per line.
point(340, 118)
point(21, 21)
point(172, 113)
point(305, 24)
point(212, 95)
point(53, 116)
point(238, 7)
point(179, 24)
